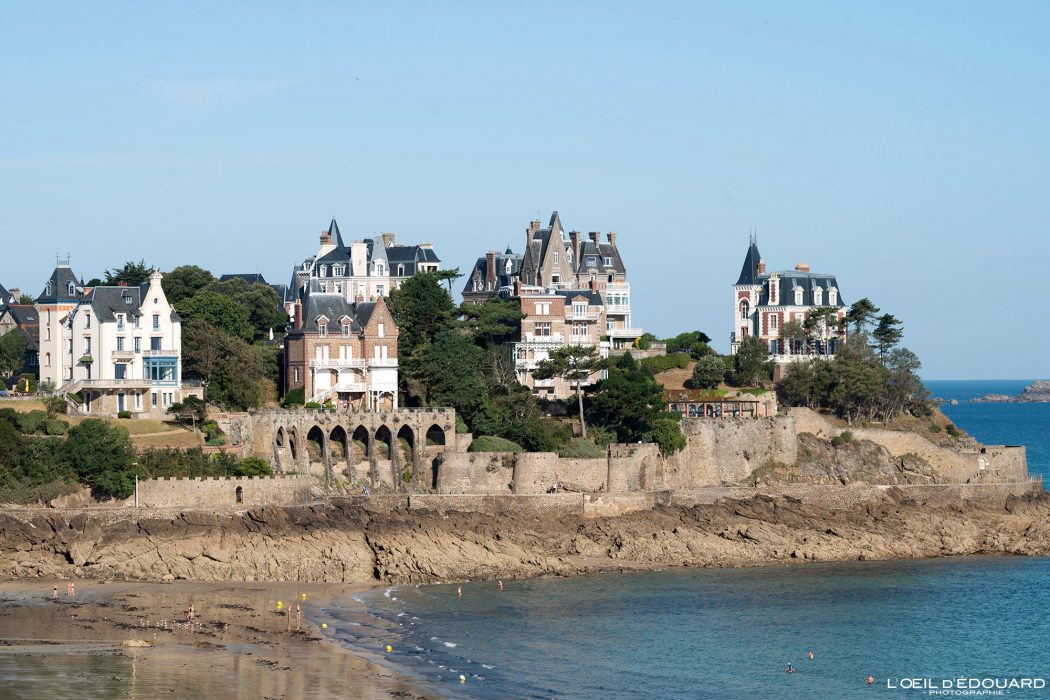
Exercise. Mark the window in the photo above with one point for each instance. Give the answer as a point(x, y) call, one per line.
point(380, 269)
point(579, 329)
point(381, 332)
point(509, 267)
point(579, 309)
point(71, 288)
point(138, 344)
point(338, 270)
point(555, 279)
point(400, 270)
point(154, 343)
point(120, 322)
point(338, 288)
point(818, 296)
point(346, 330)
point(608, 262)
point(120, 343)
point(153, 399)
point(156, 322)
point(379, 290)
point(745, 309)
point(47, 359)
point(87, 344)
point(543, 329)
point(557, 258)
point(87, 319)
point(296, 380)
point(127, 298)
point(322, 329)
point(773, 347)
point(47, 289)
point(543, 309)
point(773, 320)
point(798, 296)
point(322, 271)
point(833, 297)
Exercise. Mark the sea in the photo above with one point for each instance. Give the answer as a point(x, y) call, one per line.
point(955, 627)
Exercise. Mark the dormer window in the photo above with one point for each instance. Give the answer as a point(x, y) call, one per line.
point(380, 268)
point(568, 259)
point(127, 298)
point(798, 296)
point(833, 297)
point(608, 262)
point(322, 329)
point(400, 270)
point(510, 267)
point(323, 271)
point(591, 260)
point(47, 289)
point(346, 330)
point(818, 296)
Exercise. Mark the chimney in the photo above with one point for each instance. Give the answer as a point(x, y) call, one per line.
point(534, 226)
point(802, 267)
point(612, 237)
point(592, 285)
point(574, 239)
point(517, 287)
point(388, 240)
point(298, 313)
point(326, 238)
point(490, 270)
point(122, 284)
point(594, 235)
point(16, 294)
point(761, 266)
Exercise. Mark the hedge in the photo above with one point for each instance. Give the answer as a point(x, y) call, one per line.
point(491, 443)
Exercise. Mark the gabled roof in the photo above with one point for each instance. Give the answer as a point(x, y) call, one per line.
point(592, 297)
point(107, 302)
point(809, 283)
point(480, 272)
point(317, 305)
point(57, 289)
point(27, 322)
point(749, 272)
point(599, 252)
point(333, 231)
point(4, 296)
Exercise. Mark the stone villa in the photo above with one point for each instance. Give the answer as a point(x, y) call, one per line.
point(763, 302)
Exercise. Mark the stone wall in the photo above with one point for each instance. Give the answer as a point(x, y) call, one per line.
point(841, 497)
point(547, 505)
point(475, 472)
point(609, 505)
point(723, 451)
point(219, 492)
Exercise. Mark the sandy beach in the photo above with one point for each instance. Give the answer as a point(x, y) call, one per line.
point(239, 646)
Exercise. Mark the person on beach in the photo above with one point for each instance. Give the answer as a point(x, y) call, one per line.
point(298, 617)
point(72, 588)
point(190, 615)
point(459, 591)
point(54, 591)
point(69, 588)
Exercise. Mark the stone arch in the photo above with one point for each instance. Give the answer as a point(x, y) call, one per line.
point(315, 444)
point(339, 443)
point(238, 494)
point(384, 443)
point(293, 445)
point(435, 436)
point(406, 446)
point(359, 443)
point(280, 444)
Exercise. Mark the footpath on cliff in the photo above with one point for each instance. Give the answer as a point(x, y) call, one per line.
point(345, 542)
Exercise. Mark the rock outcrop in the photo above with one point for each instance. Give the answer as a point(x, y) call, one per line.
point(1037, 392)
point(346, 543)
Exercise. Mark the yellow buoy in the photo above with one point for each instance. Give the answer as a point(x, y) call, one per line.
point(324, 625)
point(279, 605)
point(303, 596)
point(389, 648)
point(462, 678)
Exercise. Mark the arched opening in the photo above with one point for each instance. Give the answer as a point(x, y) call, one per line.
point(384, 443)
point(406, 449)
point(359, 443)
point(293, 444)
point(239, 494)
point(315, 444)
point(338, 443)
point(280, 438)
point(435, 436)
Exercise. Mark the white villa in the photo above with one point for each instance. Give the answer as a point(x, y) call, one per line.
point(111, 349)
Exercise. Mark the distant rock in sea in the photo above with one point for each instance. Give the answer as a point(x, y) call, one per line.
point(1033, 393)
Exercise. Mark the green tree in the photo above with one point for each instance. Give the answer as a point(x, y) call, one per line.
point(451, 371)
point(422, 310)
point(627, 401)
point(820, 323)
point(190, 410)
point(794, 333)
point(132, 274)
point(185, 281)
point(10, 445)
point(94, 446)
point(574, 364)
point(12, 353)
point(449, 276)
point(751, 362)
point(492, 323)
point(265, 309)
point(860, 314)
point(253, 466)
point(708, 372)
point(220, 311)
point(887, 334)
point(234, 373)
point(26, 299)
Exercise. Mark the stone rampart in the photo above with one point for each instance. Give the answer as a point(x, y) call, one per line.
point(547, 505)
point(609, 505)
point(723, 451)
point(475, 472)
point(221, 492)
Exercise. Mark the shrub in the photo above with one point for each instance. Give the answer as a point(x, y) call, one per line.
point(55, 427)
point(708, 372)
point(215, 441)
point(313, 406)
point(952, 430)
point(55, 404)
point(461, 427)
point(113, 484)
point(668, 435)
point(662, 363)
point(211, 429)
point(123, 414)
point(253, 466)
point(491, 443)
point(329, 405)
point(580, 448)
point(30, 423)
point(934, 428)
point(295, 397)
point(408, 475)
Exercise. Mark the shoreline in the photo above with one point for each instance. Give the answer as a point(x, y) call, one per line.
point(239, 647)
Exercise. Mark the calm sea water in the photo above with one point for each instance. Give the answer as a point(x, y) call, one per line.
point(729, 633)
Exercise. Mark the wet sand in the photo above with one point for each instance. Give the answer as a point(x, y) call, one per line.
point(239, 646)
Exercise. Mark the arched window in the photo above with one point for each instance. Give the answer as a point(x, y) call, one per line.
point(833, 297)
point(47, 289)
point(745, 309)
point(323, 271)
point(818, 296)
point(238, 494)
point(400, 270)
point(72, 288)
point(798, 296)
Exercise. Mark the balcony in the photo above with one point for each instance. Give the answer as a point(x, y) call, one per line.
point(171, 352)
point(589, 315)
point(553, 339)
point(347, 388)
point(617, 308)
point(123, 355)
point(382, 362)
point(338, 363)
point(113, 384)
point(625, 332)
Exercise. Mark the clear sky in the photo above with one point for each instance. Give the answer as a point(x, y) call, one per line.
point(901, 146)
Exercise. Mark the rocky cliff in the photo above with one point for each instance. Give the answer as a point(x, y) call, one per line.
point(343, 542)
point(1037, 392)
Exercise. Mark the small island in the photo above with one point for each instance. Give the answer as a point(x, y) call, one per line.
point(1037, 392)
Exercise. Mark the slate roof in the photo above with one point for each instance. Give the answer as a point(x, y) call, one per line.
point(107, 302)
point(334, 307)
point(593, 298)
point(503, 278)
point(4, 296)
point(28, 322)
point(749, 271)
point(57, 288)
point(409, 256)
point(808, 281)
point(251, 278)
point(591, 257)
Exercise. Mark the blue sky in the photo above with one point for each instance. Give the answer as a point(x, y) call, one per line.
point(901, 146)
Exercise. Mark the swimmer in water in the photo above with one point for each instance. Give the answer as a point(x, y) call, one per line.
point(789, 669)
point(810, 655)
point(871, 679)
point(501, 584)
point(459, 591)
